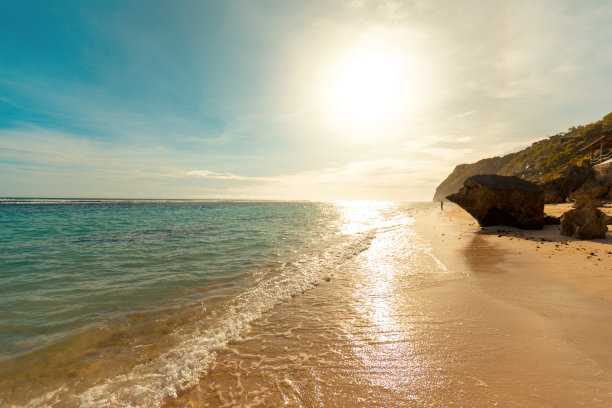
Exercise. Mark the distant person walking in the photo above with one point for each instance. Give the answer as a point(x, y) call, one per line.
point(442, 205)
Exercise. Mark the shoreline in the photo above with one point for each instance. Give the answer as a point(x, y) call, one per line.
point(426, 309)
point(483, 318)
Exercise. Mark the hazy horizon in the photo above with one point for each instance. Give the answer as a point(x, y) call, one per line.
point(367, 100)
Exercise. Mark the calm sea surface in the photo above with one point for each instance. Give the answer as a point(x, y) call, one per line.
point(126, 302)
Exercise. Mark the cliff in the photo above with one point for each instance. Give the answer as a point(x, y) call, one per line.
point(540, 163)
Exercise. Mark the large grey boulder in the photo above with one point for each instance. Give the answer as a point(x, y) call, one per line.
point(502, 200)
point(584, 223)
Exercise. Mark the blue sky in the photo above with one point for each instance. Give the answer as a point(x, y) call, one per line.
point(208, 99)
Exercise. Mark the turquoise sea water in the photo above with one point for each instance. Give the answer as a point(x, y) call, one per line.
point(154, 287)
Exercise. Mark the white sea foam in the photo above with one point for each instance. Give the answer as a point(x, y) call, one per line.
point(149, 384)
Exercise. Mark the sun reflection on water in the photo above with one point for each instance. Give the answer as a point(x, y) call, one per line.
point(360, 339)
point(387, 273)
point(361, 216)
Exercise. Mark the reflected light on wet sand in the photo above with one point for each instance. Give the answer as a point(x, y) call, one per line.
point(388, 351)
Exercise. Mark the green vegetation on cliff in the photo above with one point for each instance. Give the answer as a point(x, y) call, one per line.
point(541, 162)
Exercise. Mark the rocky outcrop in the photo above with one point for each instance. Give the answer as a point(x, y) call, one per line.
point(461, 172)
point(603, 173)
point(540, 163)
point(572, 178)
point(551, 220)
point(590, 189)
point(584, 223)
point(553, 192)
point(502, 200)
point(583, 201)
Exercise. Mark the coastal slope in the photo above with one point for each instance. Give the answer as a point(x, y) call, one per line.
point(541, 162)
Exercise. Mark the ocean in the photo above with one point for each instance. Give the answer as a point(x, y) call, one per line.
point(128, 302)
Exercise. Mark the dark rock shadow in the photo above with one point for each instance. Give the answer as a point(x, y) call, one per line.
point(482, 257)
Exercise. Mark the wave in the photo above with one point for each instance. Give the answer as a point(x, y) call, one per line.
point(17, 200)
point(150, 383)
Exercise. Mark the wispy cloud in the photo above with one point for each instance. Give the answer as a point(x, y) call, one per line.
point(216, 175)
point(222, 98)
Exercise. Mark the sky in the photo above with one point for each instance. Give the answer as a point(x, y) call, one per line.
point(305, 100)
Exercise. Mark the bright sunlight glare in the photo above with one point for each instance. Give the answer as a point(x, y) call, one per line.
point(367, 88)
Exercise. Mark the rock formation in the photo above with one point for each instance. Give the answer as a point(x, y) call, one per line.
point(553, 192)
point(590, 189)
point(572, 178)
point(603, 173)
point(585, 201)
point(557, 162)
point(584, 223)
point(502, 200)
point(551, 220)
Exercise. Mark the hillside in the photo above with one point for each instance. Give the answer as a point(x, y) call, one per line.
point(541, 162)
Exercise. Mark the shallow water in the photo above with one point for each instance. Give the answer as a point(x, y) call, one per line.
point(362, 339)
point(128, 303)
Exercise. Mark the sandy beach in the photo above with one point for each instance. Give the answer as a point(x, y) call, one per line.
point(485, 317)
point(244, 204)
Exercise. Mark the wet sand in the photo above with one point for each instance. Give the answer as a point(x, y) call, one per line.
point(451, 316)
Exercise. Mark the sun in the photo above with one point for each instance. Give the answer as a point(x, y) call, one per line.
point(367, 88)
